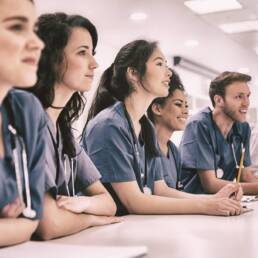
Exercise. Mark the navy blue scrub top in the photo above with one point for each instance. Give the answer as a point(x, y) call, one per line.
point(85, 172)
point(171, 165)
point(110, 144)
point(203, 147)
point(30, 123)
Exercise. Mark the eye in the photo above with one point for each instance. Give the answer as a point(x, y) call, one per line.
point(17, 27)
point(82, 53)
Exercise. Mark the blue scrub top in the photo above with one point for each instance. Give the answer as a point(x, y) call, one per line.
point(85, 172)
point(171, 165)
point(110, 144)
point(203, 147)
point(30, 124)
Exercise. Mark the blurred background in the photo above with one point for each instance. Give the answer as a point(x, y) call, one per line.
point(201, 38)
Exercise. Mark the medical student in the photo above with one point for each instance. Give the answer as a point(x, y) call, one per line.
point(114, 137)
point(66, 70)
point(214, 140)
point(22, 123)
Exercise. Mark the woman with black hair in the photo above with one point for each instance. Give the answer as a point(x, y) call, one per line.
point(22, 146)
point(118, 137)
point(75, 199)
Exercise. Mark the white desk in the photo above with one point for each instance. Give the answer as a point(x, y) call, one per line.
point(186, 236)
point(176, 236)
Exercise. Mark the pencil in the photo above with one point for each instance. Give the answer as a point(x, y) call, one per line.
point(241, 165)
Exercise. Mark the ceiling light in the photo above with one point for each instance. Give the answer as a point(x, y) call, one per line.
point(191, 43)
point(138, 16)
point(245, 70)
point(212, 6)
point(237, 27)
point(256, 50)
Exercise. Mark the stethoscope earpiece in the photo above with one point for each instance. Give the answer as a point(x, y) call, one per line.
point(29, 213)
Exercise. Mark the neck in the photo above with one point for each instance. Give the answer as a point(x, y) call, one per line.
point(223, 122)
point(163, 136)
point(62, 96)
point(136, 105)
point(3, 92)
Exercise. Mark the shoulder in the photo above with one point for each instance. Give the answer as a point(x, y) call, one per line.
point(28, 111)
point(202, 117)
point(110, 119)
point(25, 101)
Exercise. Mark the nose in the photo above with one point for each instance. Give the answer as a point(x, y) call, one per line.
point(169, 72)
point(35, 42)
point(93, 63)
point(246, 101)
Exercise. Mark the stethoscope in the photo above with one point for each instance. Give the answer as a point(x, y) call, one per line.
point(66, 160)
point(28, 212)
point(234, 135)
point(145, 188)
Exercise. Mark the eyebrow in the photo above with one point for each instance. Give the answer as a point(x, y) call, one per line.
point(159, 58)
point(83, 46)
point(20, 18)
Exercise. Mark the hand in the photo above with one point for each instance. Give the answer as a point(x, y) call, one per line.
point(76, 204)
point(12, 210)
point(230, 190)
point(104, 220)
point(223, 207)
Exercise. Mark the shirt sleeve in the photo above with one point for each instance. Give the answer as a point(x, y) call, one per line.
point(110, 148)
point(196, 148)
point(86, 171)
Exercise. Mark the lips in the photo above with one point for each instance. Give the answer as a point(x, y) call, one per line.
point(30, 61)
point(90, 76)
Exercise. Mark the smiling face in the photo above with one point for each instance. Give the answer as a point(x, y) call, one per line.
point(236, 102)
point(157, 75)
point(173, 113)
point(79, 62)
point(20, 48)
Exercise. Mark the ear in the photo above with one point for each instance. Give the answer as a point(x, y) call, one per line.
point(156, 109)
point(219, 101)
point(132, 75)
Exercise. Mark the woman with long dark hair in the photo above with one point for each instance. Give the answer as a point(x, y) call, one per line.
point(75, 199)
point(119, 138)
point(22, 124)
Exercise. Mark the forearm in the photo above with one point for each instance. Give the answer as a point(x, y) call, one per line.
point(151, 204)
point(17, 230)
point(101, 204)
point(166, 191)
point(250, 188)
point(57, 222)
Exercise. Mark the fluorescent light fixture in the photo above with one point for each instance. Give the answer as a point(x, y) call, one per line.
point(238, 27)
point(256, 50)
point(138, 16)
point(212, 6)
point(191, 43)
point(194, 67)
point(244, 70)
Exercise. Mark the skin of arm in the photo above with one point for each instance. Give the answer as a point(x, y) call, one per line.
point(16, 230)
point(98, 201)
point(161, 189)
point(57, 222)
point(138, 203)
point(212, 184)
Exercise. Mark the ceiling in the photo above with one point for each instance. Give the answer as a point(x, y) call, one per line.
point(172, 24)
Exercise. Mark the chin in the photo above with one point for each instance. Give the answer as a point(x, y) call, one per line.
point(26, 82)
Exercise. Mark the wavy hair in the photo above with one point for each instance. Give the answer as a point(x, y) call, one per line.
point(55, 31)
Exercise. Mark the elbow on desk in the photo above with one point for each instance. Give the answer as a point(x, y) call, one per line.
point(47, 230)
